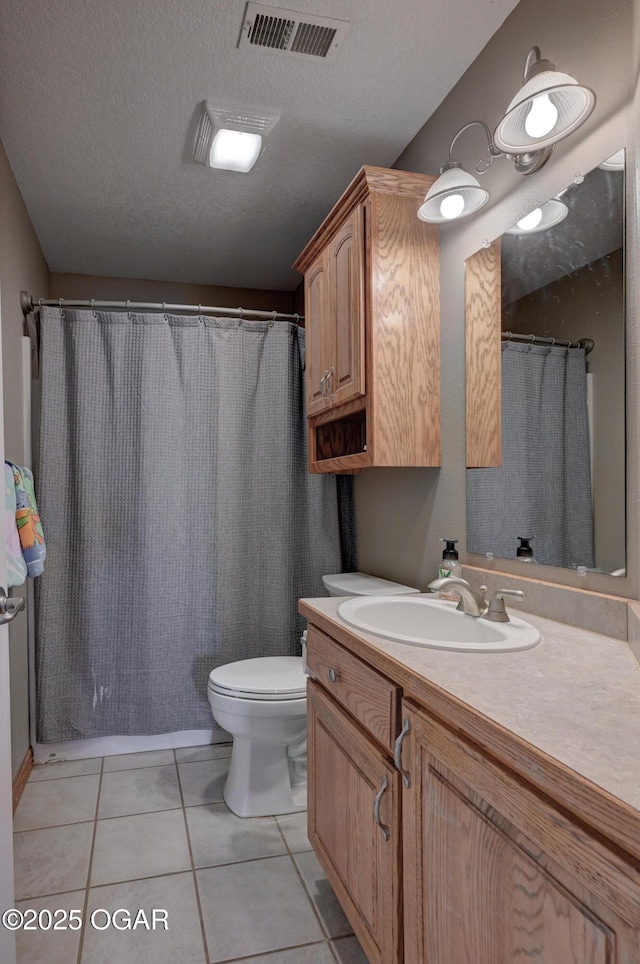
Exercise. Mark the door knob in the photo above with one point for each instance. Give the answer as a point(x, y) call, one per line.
point(9, 607)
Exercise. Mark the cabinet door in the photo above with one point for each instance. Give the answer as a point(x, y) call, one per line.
point(347, 309)
point(362, 862)
point(494, 874)
point(318, 337)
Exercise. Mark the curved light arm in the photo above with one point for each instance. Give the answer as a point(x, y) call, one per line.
point(492, 150)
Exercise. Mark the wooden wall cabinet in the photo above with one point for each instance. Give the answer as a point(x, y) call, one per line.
point(372, 309)
point(476, 866)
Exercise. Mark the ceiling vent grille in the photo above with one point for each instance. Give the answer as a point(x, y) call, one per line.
point(290, 32)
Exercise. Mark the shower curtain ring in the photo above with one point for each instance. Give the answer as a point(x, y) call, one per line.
point(128, 310)
point(93, 309)
point(60, 300)
point(532, 339)
point(297, 317)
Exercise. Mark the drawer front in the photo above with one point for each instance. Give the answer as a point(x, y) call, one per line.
point(370, 697)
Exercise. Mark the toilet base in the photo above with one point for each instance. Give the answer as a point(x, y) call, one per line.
point(259, 782)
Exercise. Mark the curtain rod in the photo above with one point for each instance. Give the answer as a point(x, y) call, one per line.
point(587, 343)
point(28, 305)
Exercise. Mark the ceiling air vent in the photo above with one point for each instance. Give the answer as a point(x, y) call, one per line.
point(288, 31)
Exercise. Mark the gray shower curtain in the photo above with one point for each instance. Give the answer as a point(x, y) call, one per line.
point(543, 488)
point(181, 522)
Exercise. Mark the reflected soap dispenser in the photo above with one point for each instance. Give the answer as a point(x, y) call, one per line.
point(449, 566)
point(524, 551)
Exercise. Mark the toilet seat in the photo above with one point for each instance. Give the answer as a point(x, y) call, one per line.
point(264, 678)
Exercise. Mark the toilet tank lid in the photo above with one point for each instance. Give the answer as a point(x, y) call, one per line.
point(362, 584)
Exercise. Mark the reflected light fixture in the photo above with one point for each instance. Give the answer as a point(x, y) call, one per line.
point(615, 162)
point(548, 107)
point(546, 216)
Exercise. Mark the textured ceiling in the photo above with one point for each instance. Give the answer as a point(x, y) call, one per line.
point(97, 98)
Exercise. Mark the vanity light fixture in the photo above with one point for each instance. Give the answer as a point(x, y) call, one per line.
point(615, 162)
point(546, 216)
point(549, 106)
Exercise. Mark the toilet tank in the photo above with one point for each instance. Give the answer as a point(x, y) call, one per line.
point(362, 584)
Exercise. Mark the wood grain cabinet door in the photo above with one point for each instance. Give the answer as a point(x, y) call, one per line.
point(359, 854)
point(347, 309)
point(494, 875)
point(318, 335)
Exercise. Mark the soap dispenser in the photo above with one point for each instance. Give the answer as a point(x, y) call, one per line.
point(449, 566)
point(524, 551)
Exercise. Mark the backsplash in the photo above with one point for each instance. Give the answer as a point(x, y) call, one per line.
point(596, 612)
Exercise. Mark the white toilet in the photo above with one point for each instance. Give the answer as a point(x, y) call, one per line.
point(263, 704)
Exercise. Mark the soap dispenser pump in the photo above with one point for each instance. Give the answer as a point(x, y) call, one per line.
point(449, 566)
point(524, 551)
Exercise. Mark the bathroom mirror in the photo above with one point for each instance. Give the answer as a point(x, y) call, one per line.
point(561, 479)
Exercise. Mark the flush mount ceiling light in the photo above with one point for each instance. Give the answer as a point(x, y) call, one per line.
point(542, 218)
point(549, 106)
point(231, 139)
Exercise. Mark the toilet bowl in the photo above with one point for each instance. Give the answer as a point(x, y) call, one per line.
point(262, 703)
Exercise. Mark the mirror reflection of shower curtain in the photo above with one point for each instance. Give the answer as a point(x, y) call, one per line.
point(543, 488)
point(182, 525)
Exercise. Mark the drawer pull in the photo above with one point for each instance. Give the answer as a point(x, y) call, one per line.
point(333, 676)
point(376, 807)
point(397, 753)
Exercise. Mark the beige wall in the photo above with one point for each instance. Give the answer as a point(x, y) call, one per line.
point(402, 513)
point(22, 265)
point(82, 287)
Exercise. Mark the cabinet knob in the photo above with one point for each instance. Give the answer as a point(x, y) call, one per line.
point(332, 675)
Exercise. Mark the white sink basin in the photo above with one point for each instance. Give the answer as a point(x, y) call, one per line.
point(436, 624)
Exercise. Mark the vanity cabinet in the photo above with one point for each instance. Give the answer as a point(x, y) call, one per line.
point(493, 873)
point(467, 861)
point(354, 792)
point(372, 313)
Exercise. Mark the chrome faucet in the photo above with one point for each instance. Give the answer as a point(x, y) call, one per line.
point(472, 603)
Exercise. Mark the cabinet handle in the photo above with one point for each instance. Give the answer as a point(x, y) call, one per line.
point(397, 752)
point(376, 807)
point(333, 676)
point(323, 387)
point(330, 377)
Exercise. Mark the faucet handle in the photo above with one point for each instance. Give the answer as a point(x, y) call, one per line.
point(496, 610)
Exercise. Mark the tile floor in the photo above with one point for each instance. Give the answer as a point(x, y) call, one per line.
point(150, 830)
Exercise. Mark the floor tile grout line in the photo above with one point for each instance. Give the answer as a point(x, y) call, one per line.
point(89, 869)
point(193, 868)
point(323, 929)
point(55, 826)
point(276, 950)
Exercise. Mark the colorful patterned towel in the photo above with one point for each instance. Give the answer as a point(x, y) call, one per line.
point(16, 566)
point(28, 522)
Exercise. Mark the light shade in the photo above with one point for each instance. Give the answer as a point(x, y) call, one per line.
point(549, 106)
point(234, 150)
point(550, 214)
point(454, 195)
point(615, 162)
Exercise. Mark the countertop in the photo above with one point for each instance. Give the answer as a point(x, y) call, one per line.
point(575, 698)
